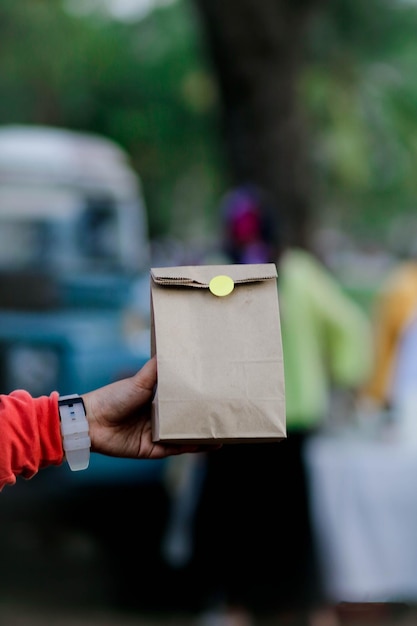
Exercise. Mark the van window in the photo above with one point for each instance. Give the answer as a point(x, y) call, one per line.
point(99, 231)
point(22, 242)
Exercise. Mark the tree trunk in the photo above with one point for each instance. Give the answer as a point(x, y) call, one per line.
point(256, 49)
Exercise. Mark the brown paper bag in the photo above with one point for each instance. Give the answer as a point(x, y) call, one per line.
point(220, 364)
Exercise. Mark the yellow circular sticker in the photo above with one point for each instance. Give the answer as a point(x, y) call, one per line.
point(221, 285)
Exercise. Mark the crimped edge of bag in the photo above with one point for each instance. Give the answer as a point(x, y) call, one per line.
point(200, 275)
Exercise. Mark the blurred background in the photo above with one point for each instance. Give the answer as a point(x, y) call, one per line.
point(180, 100)
point(316, 102)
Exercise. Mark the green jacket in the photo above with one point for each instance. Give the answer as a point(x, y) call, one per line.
point(326, 338)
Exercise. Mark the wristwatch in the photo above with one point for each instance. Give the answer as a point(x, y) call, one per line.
point(74, 429)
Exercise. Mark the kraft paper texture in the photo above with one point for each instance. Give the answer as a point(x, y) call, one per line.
point(220, 363)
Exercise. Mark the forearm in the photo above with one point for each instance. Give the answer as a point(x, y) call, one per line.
point(30, 436)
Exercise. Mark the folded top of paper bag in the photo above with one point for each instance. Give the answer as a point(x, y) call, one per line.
point(200, 275)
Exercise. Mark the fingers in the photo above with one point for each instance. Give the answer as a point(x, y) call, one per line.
point(147, 376)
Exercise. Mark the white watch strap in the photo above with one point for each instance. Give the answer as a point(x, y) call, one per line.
point(74, 429)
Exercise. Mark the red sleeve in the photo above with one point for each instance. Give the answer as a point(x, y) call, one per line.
point(30, 436)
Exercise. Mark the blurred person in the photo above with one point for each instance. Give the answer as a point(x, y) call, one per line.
point(248, 226)
point(253, 548)
point(394, 312)
point(117, 421)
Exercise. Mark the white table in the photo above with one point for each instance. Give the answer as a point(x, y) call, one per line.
point(364, 507)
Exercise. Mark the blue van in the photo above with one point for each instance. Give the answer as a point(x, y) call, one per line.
point(74, 266)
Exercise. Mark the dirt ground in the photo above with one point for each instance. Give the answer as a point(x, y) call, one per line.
point(93, 558)
point(13, 615)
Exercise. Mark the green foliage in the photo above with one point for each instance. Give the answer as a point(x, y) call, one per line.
point(141, 83)
point(147, 85)
point(360, 96)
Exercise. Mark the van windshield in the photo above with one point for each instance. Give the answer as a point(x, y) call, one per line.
point(58, 231)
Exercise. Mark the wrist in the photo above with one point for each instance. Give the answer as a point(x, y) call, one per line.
point(89, 408)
